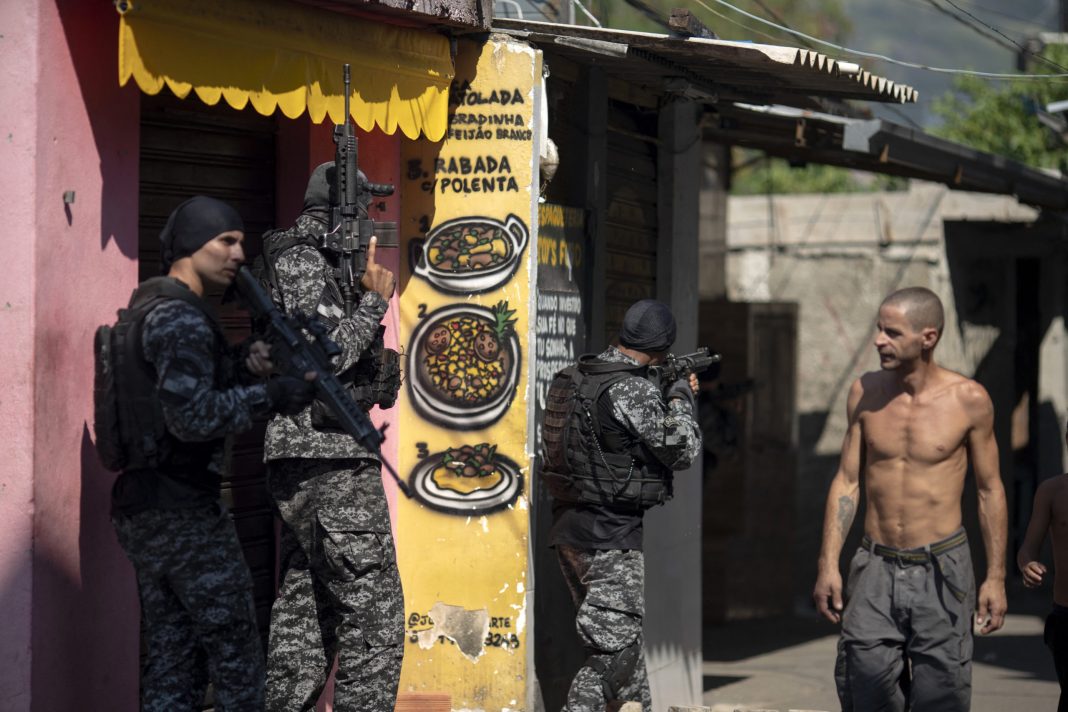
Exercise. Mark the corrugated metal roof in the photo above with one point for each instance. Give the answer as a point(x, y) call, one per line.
point(883, 147)
point(715, 69)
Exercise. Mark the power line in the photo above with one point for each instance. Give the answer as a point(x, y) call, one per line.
point(883, 57)
point(1009, 16)
point(1039, 57)
point(982, 33)
point(747, 28)
point(778, 18)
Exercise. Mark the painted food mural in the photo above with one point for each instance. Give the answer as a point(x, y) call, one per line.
point(466, 365)
point(472, 254)
point(470, 479)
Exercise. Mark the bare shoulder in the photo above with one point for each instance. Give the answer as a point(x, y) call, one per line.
point(971, 395)
point(856, 394)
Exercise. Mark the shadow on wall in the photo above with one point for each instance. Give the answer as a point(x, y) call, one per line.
point(85, 615)
point(91, 32)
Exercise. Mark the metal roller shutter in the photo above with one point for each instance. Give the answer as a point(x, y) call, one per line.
point(631, 224)
point(187, 149)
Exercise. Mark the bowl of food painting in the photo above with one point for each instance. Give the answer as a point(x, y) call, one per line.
point(463, 365)
point(472, 254)
point(465, 480)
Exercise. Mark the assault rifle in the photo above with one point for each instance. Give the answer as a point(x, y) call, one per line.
point(295, 355)
point(351, 228)
point(675, 367)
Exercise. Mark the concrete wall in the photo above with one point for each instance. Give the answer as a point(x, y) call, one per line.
point(838, 256)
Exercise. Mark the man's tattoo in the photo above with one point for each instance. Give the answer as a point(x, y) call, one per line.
point(846, 509)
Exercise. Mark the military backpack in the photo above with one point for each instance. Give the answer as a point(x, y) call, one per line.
point(585, 462)
point(128, 422)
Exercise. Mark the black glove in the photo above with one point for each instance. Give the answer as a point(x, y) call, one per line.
point(290, 395)
point(681, 389)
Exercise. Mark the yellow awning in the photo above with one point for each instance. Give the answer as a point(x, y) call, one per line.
point(280, 54)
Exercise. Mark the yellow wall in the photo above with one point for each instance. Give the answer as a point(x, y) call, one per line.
point(468, 224)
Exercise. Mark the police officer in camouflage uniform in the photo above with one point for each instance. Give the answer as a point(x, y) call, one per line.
point(340, 592)
point(611, 441)
point(194, 585)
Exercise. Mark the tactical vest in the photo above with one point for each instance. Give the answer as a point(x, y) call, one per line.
point(131, 433)
point(589, 458)
point(375, 377)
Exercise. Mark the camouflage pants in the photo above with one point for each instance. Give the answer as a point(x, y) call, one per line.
point(608, 588)
point(340, 593)
point(196, 608)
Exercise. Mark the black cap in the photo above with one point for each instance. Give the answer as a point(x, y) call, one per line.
point(648, 326)
point(194, 223)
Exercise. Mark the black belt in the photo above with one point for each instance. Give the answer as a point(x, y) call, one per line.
point(918, 555)
point(922, 556)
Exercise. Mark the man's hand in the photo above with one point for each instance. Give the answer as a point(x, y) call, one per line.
point(1033, 572)
point(377, 278)
point(992, 606)
point(684, 389)
point(258, 361)
point(290, 395)
point(828, 595)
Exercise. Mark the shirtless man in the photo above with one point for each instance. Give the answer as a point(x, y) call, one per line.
point(1051, 514)
point(913, 426)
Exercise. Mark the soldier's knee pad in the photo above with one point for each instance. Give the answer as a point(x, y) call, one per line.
point(616, 669)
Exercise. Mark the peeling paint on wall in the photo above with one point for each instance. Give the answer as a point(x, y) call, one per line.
point(468, 629)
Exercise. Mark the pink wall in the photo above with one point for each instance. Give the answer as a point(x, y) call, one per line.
point(380, 160)
point(85, 613)
point(18, 127)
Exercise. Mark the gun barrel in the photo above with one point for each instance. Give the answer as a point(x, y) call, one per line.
point(300, 355)
point(258, 300)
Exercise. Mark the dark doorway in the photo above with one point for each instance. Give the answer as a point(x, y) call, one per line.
point(187, 149)
point(1024, 443)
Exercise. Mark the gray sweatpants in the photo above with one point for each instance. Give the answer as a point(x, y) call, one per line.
point(907, 632)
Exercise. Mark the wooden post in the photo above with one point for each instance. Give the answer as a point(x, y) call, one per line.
point(593, 118)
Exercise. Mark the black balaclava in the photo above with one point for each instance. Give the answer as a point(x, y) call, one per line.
point(648, 326)
point(194, 223)
point(321, 195)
